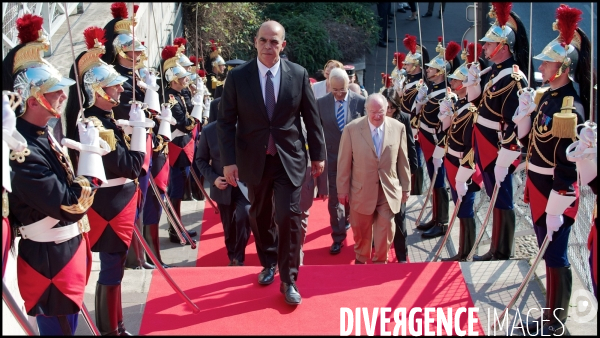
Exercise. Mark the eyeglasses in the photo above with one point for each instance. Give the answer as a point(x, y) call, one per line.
point(339, 90)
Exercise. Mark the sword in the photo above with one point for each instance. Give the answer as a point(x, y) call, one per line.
point(485, 222)
point(16, 311)
point(530, 273)
point(426, 197)
point(443, 242)
point(172, 216)
point(163, 271)
point(212, 203)
point(88, 320)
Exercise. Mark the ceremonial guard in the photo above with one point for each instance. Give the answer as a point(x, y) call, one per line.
point(113, 213)
point(49, 199)
point(432, 136)
point(497, 150)
point(11, 140)
point(407, 92)
point(181, 147)
point(216, 77)
point(457, 117)
point(547, 130)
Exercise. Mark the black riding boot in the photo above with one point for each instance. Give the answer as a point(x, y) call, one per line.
point(135, 254)
point(121, 325)
point(469, 224)
point(442, 202)
point(461, 245)
point(151, 236)
point(434, 213)
point(558, 301)
point(417, 182)
point(496, 225)
point(107, 303)
point(172, 234)
point(507, 235)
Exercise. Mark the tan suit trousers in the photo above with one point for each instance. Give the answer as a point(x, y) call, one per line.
point(377, 227)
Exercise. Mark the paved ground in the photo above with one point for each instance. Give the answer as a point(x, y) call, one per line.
point(491, 284)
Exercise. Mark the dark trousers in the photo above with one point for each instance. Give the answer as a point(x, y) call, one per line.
point(236, 224)
point(400, 236)
point(337, 212)
point(278, 244)
point(413, 6)
point(112, 267)
point(383, 10)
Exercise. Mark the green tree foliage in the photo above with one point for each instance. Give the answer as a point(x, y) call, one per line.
point(315, 32)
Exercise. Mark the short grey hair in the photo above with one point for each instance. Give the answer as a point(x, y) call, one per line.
point(379, 97)
point(340, 74)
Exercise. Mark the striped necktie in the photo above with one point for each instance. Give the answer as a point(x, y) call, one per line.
point(270, 104)
point(340, 116)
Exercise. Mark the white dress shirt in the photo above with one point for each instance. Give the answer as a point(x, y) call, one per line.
point(276, 79)
point(380, 131)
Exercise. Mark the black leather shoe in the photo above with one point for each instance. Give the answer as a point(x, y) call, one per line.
point(175, 239)
point(428, 14)
point(487, 257)
point(336, 248)
point(382, 44)
point(266, 276)
point(426, 226)
point(436, 231)
point(192, 233)
point(356, 261)
point(148, 266)
point(290, 291)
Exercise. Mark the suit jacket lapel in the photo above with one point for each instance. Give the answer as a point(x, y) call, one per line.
point(286, 79)
point(253, 80)
point(366, 134)
point(387, 136)
point(353, 113)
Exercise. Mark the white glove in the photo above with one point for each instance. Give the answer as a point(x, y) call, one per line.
point(446, 112)
point(166, 120)
point(166, 114)
point(473, 76)
point(9, 119)
point(500, 174)
point(141, 84)
point(553, 223)
point(198, 98)
point(422, 94)
point(88, 134)
point(585, 146)
point(137, 119)
point(526, 104)
point(461, 189)
point(150, 80)
point(136, 114)
point(437, 163)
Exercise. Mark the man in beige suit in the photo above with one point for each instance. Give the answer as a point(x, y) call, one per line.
point(373, 177)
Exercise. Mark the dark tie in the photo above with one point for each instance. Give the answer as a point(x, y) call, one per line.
point(270, 104)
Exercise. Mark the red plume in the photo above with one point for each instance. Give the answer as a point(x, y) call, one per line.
point(119, 10)
point(92, 33)
point(502, 10)
point(399, 58)
point(194, 60)
point(201, 73)
point(471, 57)
point(28, 27)
point(410, 42)
point(135, 8)
point(568, 18)
point(180, 41)
point(168, 52)
point(452, 51)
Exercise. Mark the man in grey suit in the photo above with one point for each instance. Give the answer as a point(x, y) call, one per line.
point(234, 207)
point(337, 109)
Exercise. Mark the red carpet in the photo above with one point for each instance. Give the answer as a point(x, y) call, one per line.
point(211, 248)
point(232, 303)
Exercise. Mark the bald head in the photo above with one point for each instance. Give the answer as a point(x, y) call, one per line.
point(354, 87)
point(269, 42)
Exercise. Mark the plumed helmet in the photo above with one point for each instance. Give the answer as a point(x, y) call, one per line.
point(173, 70)
point(565, 48)
point(443, 61)
point(413, 57)
point(120, 31)
point(94, 73)
point(504, 28)
point(180, 42)
point(468, 55)
point(26, 72)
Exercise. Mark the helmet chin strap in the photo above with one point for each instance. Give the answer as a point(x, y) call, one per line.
point(496, 50)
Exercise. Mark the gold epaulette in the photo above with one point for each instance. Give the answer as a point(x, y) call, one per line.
point(215, 83)
point(84, 201)
point(469, 159)
point(564, 124)
point(107, 135)
point(538, 94)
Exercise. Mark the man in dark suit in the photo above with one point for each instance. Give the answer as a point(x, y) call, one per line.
point(259, 130)
point(337, 109)
point(233, 205)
